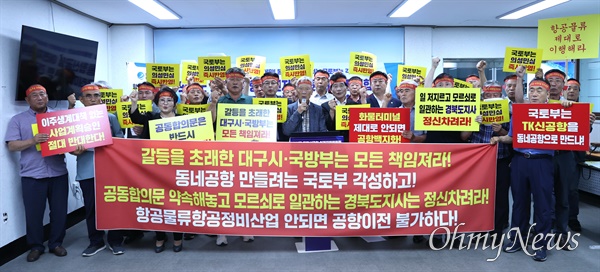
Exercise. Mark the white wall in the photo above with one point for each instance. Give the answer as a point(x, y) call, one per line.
point(40, 14)
point(128, 44)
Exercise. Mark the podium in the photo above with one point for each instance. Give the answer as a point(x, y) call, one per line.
point(316, 244)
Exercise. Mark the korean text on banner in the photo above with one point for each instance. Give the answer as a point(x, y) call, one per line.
point(410, 73)
point(530, 58)
point(87, 126)
point(295, 66)
point(252, 65)
point(362, 63)
point(495, 111)
point(188, 127)
point(461, 84)
point(185, 109)
point(441, 109)
point(281, 189)
point(379, 125)
point(123, 112)
point(110, 98)
point(574, 37)
point(342, 115)
point(211, 67)
point(190, 68)
point(246, 123)
point(281, 104)
point(551, 126)
point(163, 74)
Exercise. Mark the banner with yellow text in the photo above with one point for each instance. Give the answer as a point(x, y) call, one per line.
point(123, 112)
point(295, 66)
point(495, 111)
point(211, 67)
point(530, 58)
point(110, 98)
point(185, 109)
point(362, 63)
point(410, 72)
point(281, 104)
point(163, 74)
point(342, 115)
point(252, 65)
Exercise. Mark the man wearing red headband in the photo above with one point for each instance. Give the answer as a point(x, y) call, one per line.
point(532, 173)
point(321, 95)
point(289, 92)
point(303, 115)
point(556, 78)
point(42, 178)
point(234, 83)
point(90, 96)
point(406, 92)
point(270, 84)
point(358, 92)
point(257, 87)
point(339, 89)
point(378, 81)
point(474, 79)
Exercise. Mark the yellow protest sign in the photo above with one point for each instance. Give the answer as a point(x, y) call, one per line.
point(552, 101)
point(246, 123)
point(185, 109)
point(495, 111)
point(253, 65)
point(446, 109)
point(410, 72)
point(574, 37)
point(188, 127)
point(462, 84)
point(295, 66)
point(162, 74)
point(190, 68)
point(281, 104)
point(211, 67)
point(35, 131)
point(110, 98)
point(362, 63)
point(530, 58)
point(342, 115)
point(123, 112)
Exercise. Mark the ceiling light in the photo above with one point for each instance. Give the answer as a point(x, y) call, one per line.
point(283, 9)
point(530, 8)
point(156, 8)
point(407, 8)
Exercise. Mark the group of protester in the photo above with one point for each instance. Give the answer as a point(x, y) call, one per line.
point(550, 177)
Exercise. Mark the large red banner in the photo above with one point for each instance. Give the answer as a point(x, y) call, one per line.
point(294, 189)
point(551, 126)
point(88, 126)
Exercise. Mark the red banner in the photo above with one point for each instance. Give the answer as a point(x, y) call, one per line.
point(379, 125)
point(294, 189)
point(551, 126)
point(88, 126)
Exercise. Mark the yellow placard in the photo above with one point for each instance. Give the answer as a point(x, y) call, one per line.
point(211, 67)
point(342, 115)
point(530, 58)
point(246, 123)
point(35, 131)
point(189, 127)
point(295, 66)
point(281, 104)
point(190, 68)
point(447, 109)
point(123, 112)
point(410, 72)
point(552, 101)
point(185, 109)
point(163, 74)
point(462, 84)
point(362, 63)
point(574, 37)
point(495, 111)
point(252, 65)
point(110, 98)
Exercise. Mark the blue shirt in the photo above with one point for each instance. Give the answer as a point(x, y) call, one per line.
point(532, 151)
point(33, 165)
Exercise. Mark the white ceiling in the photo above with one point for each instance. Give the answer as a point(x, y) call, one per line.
point(257, 13)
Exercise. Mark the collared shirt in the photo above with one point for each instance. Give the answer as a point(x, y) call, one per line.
point(243, 99)
point(85, 161)
point(320, 99)
point(485, 134)
point(33, 165)
point(412, 122)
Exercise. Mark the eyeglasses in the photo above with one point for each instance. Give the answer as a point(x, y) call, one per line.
point(37, 95)
point(165, 101)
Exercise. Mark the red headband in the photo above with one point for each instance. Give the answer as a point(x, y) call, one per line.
point(573, 82)
point(510, 77)
point(89, 88)
point(555, 74)
point(234, 75)
point(357, 80)
point(262, 79)
point(257, 81)
point(304, 81)
point(407, 86)
point(321, 74)
point(379, 76)
point(539, 83)
point(492, 89)
point(145, 88)
point(165, 94)
point(288, 88)
point(472, 78)
point(341, 79)
point(194, 86)
point(33, 88)
point(443, 79)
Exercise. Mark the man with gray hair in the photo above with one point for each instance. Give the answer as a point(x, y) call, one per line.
point(304, 115)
